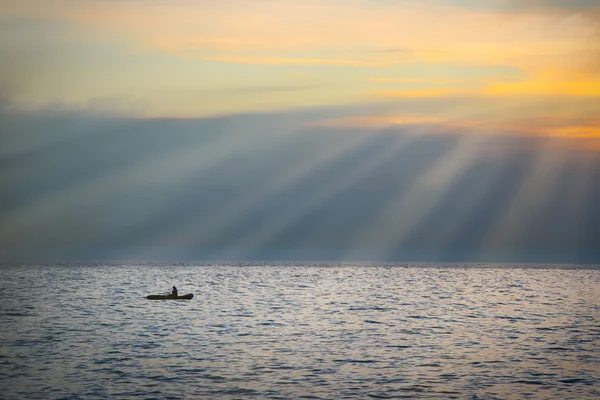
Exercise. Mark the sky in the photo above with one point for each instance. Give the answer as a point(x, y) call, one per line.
point(433, 130)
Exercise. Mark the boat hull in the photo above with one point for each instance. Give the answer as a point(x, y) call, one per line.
point(188, 296)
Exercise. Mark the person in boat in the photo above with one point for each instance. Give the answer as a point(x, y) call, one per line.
point(174, 292)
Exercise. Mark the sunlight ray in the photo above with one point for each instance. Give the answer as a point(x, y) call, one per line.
point(222, 219)
point(475, 193)
point(536, 187)
point(406, 211)
point(360, 171)
point(169, 168)
point(578, 190)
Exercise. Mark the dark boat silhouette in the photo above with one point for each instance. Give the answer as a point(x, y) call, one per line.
point(188, 296)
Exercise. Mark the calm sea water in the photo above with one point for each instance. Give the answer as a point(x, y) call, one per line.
point(324, 331)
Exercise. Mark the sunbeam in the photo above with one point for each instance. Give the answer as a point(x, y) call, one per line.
point(357, 172)
point(536, 188)
point(412, 203)
point(455, 218)
point(293, 170)
point(73, 202)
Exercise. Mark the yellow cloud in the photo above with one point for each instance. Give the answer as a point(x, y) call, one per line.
point(410, 31)
point(288, 60)
point(583, 133)
point(545, 88)
point(558, 52)
point(420, 92)
point(583, 128)
point(370, 121)
point(576, 131)
point(429, 80)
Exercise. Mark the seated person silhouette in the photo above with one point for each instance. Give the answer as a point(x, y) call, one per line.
point(174, 292)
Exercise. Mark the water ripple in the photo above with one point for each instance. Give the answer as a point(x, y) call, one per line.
point(295, 331)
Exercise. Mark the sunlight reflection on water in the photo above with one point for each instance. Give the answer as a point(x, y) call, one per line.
point(298, 331)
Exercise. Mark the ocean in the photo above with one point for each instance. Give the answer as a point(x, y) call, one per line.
point(300, 331)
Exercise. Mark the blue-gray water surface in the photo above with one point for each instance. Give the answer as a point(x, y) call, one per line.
point(293, 331)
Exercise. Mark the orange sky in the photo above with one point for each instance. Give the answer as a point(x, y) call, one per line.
point(498, 63)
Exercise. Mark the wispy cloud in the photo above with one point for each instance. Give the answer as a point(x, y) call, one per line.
point(148, 48)
point(291, 61)
point(583, 133)
point(419, 93)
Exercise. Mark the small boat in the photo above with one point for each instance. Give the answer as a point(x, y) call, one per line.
point(188, 296)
